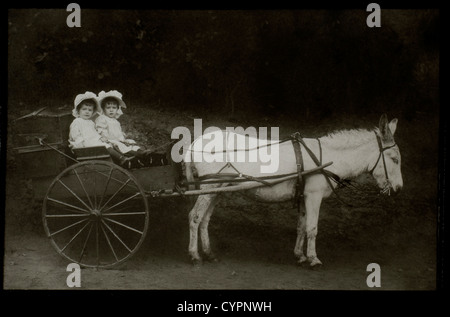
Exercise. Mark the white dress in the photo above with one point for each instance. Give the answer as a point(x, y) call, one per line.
point(83, 134)
point(111, 129)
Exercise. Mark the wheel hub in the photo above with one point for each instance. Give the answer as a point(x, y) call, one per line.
point(96, 214)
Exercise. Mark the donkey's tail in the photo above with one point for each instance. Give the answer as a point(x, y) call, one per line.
point(189, 171)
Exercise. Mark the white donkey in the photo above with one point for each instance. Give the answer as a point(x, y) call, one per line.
point(352, 152)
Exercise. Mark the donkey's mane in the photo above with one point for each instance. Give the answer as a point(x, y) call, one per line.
point(348, 137)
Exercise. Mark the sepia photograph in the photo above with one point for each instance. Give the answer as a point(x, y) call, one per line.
point(213, 149)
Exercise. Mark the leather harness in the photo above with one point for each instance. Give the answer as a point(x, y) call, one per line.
point(297, 142)
point(300, 186)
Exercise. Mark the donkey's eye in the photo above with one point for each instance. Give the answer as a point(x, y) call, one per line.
point(395, 160)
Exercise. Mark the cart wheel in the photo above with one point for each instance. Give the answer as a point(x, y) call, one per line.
point(95, 213)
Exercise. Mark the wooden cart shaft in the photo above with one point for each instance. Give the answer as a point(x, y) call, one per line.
point(233, 188)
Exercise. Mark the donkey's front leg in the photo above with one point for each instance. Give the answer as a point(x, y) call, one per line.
point(195, 218)
point(312, 205)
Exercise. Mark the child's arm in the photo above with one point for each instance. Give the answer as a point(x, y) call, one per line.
point(124, 139)
point(130, 141)
point(102, 128)
point(75, 137)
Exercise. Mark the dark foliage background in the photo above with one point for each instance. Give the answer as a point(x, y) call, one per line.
point(315, 62)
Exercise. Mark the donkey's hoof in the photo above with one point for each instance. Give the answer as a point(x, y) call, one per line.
point(314, 262)
point(211, 258)
point(196, 262)
point(302, 259)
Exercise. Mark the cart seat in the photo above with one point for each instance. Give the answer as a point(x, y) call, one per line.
point(92, 153)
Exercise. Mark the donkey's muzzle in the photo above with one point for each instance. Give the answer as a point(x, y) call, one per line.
point(397, 189)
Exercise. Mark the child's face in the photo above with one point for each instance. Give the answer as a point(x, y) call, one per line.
point(111, 108)
point(86, 111)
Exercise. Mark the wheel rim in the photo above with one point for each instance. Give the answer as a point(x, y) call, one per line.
point(95, 213)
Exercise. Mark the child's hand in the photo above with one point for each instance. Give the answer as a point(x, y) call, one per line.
point(129, 141)
point(103, 139)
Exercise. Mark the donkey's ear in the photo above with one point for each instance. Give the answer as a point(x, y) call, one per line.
point(393, 125)
point(383, 123)
point(385, 132)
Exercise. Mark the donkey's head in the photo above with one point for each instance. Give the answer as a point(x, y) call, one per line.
point(387, 167)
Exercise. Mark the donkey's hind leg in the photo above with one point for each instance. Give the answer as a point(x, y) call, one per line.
point(204, 235)
point(301, 234)
point(195, 218)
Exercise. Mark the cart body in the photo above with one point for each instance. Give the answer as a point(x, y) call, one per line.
point(42, 163)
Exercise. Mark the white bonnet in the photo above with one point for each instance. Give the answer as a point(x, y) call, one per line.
point(88, 95)
point(114, 94)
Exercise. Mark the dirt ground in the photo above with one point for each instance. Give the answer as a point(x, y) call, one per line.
point(255, 249)
point(253, 241)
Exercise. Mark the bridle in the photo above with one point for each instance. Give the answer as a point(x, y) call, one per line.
point(387, 187)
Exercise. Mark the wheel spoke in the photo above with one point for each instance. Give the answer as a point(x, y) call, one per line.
point(121, 187)
point(67, 215)
point(109, 243)
point(125, 213)
point(119, 203)
point(124, 225)
point(69, 226)
point(84, 189)
point(123, 208)
point(95, 191)
point(97, 247)
point(85, 242)
point(73, 238)
point(68, 205)
point(115, 235)
point(106, 186)
point(75, 195)
point(68, 210)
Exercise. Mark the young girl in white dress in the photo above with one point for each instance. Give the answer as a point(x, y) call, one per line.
point(109, 127)
point(82, 129)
